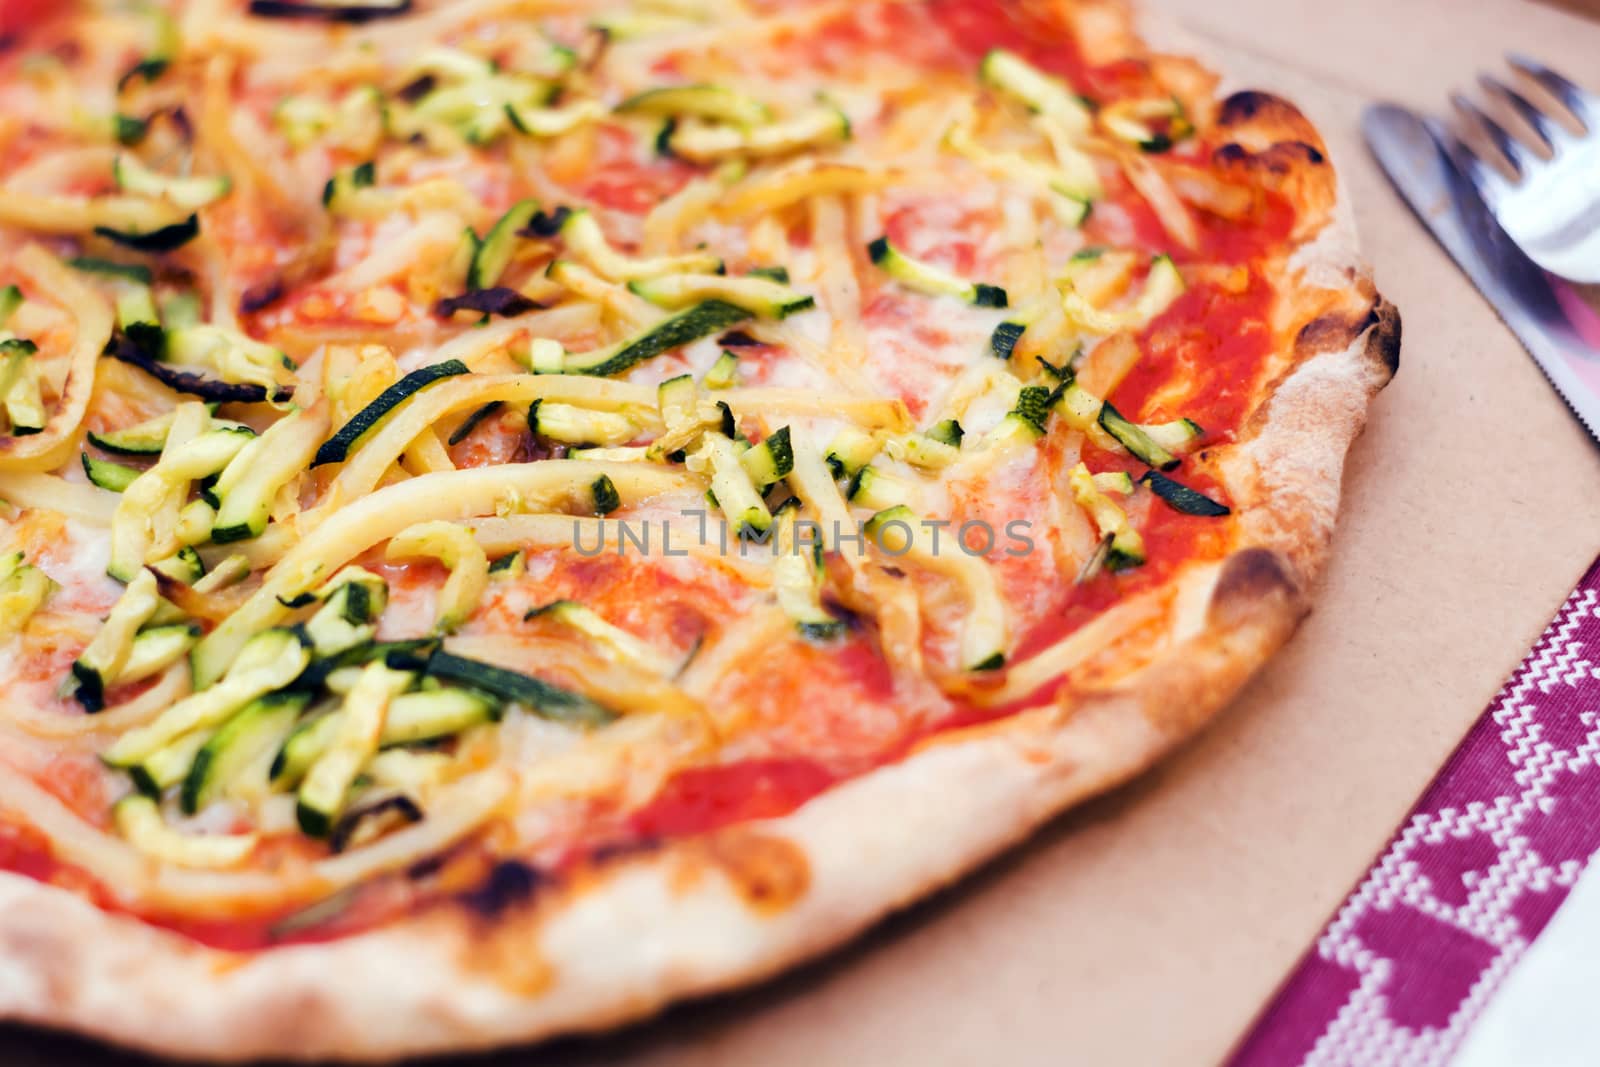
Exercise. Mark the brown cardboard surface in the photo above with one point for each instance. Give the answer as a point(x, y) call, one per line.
point(1148, 927)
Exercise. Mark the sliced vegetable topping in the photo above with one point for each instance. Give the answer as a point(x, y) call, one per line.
point(1123, 547)
point(714, 103)
point(686, 326)
point(926, 278)
point(1182, 498)
point(23, 590)
point(459, 551)
point(337, 448)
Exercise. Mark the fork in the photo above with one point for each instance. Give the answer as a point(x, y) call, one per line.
point(1544, 187)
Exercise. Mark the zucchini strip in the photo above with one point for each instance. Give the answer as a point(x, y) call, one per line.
point(79, 215)
point(244, 740)
point(617, 643)
point(797, 580)
point(1124, 546)
point(701, 142)
point(337, 448)
point(23, 590)
point(715, 103)
point(367, 467)
point(97, 668)
point(587, 242)
point(356, 527)
point(765, 297)
point(455, 547)
point(327, 785)
point(681, 329)
point(250, 482)
point(54, 445)
point(926, 278)
point(139, 820)
point(268, 661)
point(146, 518)
point(1163, 286)
point(543, 698)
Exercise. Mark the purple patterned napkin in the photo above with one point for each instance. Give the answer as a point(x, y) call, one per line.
point(1467, 884)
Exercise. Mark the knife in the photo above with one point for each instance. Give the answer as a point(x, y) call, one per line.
point(1533, 304)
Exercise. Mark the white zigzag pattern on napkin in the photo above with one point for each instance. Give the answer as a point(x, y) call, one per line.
point(1362, 1033)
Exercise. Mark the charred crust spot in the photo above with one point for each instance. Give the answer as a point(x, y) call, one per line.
point(1383, 343)
point(1246, 104)
point(509, 885)
point(1337, 331)
point(1280, 160)
point(1253, 580)
point(769, 872)
point(1333, 332)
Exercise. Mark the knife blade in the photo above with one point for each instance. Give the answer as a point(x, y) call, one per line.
point(1531, 303)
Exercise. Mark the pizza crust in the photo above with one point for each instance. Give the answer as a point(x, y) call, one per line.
point(618, 942)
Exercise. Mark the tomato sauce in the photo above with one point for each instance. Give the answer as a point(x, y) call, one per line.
point(707, 798)
point(620, 180)
point(1221, 240)
point(1217, 342)
point(974, 27)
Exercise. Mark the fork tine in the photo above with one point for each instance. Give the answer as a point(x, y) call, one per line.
point(1546, 129)
point(1573, 98)
point(1488, 181)
point(1508, 146)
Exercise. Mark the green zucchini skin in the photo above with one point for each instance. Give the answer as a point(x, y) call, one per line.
point(771, 460)
point(337, 448)
point(1033, 406)
point(308, 740)
point(1135, 440)
point(473, 421)
point(108, 475)
point(493, 254)
point(606, 497)
point(988, 296)
point(129, 129)
point(510, 565)
point(146, 439)
point(410, 654)
point(541, 697)
point(361, 176)
point(163, 239)
point(397, 805)
point(1180, 497)
point(1003, 341)
point(925, 278)
point(244, 738)
point(689, 325)
point(185, 565)
point(948, 432)
point(137, 273)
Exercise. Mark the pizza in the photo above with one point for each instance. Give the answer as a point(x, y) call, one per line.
point(520, 511)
